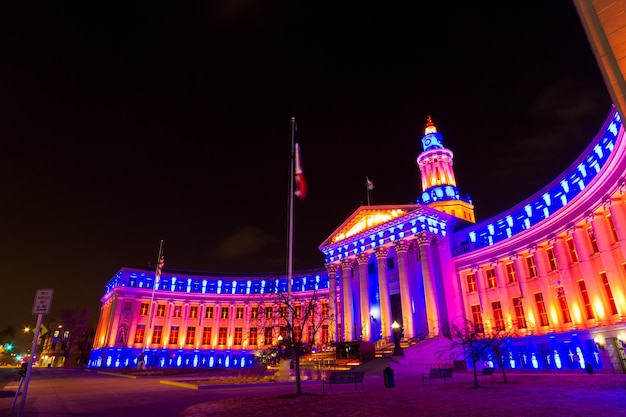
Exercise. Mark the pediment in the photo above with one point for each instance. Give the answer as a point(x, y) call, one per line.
point(365, 218)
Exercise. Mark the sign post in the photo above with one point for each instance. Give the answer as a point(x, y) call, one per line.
point(41, 306)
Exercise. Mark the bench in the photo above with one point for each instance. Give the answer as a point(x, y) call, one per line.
point(486, 372)
point(437, 373)
point(344, 377)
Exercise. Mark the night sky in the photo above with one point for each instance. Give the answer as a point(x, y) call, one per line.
point(129, 123)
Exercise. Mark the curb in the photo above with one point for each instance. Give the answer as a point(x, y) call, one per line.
point(118, 375)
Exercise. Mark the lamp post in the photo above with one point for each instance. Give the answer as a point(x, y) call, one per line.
point(397, 349)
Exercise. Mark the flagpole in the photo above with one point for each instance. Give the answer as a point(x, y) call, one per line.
point(154, 285)
point(291, 213)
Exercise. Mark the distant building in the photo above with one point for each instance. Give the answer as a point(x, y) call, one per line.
point(553, 268)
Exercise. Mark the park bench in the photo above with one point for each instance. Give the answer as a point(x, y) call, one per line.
point(344, 377)
point(437, 373)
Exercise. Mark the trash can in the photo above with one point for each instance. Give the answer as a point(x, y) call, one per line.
point(589, 368)
point(388, 377)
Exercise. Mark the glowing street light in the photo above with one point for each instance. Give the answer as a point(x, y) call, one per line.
point(397, 349)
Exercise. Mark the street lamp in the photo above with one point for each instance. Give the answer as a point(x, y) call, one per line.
point(397, 349)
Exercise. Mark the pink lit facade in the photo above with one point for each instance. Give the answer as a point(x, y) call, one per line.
point(553, 267)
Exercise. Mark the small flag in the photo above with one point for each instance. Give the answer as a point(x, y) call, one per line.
point(160, 266)
point(301, 185)
point(369, 184)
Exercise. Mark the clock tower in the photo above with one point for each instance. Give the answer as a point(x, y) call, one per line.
point(438, 181)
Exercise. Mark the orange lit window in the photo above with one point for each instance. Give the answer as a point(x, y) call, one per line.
point(208, 313)
point(193, 312)
point(140, 333)
point(572, 250)
point(586, 300)
point(253, 336)
point(519, 313)
point(552, 259)
point(609, 293)
point(143, 310)
point(497, 315)
point(491, 278)
point(532, 268)
point(510, 272)
point(206, 336)
point(238, 336)
point(592, 240)
point(190, 338)
point(471, 283)
point(541, 307)
point(221, 337)
point(477, 317)
point(173, 335)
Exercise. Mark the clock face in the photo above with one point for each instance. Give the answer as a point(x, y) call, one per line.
point(431, 141)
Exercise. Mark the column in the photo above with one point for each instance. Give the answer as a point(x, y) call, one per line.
point(604, 239)
point(216, 324)
point(383, 291)
point(503, 292)
point(347, 299)
point(168, 324)
point(230, 333)
point(528, 302)
point(200, 329)
point(402, 248)
point(571, 295)
point(182, 335)
point(246, 325)
point(618, 215)
point(363, 259)
point(547, 290)
point(430, 291)
point(597, 298)
point(150, 322)
point(332, 300)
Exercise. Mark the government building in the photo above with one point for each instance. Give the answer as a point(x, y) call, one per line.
point(550, 271)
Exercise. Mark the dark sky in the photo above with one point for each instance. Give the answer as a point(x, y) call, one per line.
point(129, 123)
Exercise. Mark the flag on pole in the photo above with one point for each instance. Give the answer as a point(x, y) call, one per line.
point(369, 184)
point(160, 266)
point(301, 185)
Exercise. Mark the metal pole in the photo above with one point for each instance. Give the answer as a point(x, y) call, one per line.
point(33, 355)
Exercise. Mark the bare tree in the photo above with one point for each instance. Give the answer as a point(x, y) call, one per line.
point(476, 342)
point(76, 325)
point(294, 316)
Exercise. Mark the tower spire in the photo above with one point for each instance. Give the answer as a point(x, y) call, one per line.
point(439, 189)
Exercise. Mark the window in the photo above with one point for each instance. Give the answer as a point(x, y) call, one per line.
point(268, 336)
point(552, 259)
point(160, 310)
point(477, 317)
point(283, 311)
point(572, 250)
point(208, 313)
point(297, 311)
point(254, 312)
point(585, 295)
point(177, 311)
point(157, 334)
point(532, 268)
point(283, 332)
point(297, 334)
point(190, 338)
point(269, 311)
point(324, 309)
point(325, 334)
point(612, 227)
point(491, 278)
point(519, 312)
point(193, 312)
point(609, 293)
point(253, 336)
point(497, 315)
point(173, 335)
point(224, 311)
point(140, 333)
point(592, 240)
point(221, 337)
point(510, 272)
point(239, 314)
point(206, 336)
point(309, 334)
point(541, 307)
point(238, 336)
point(471, 283)
point(560, 293)
point(143, 310)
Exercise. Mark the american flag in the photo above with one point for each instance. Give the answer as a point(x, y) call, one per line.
point(160, 266)
point(301, 185)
